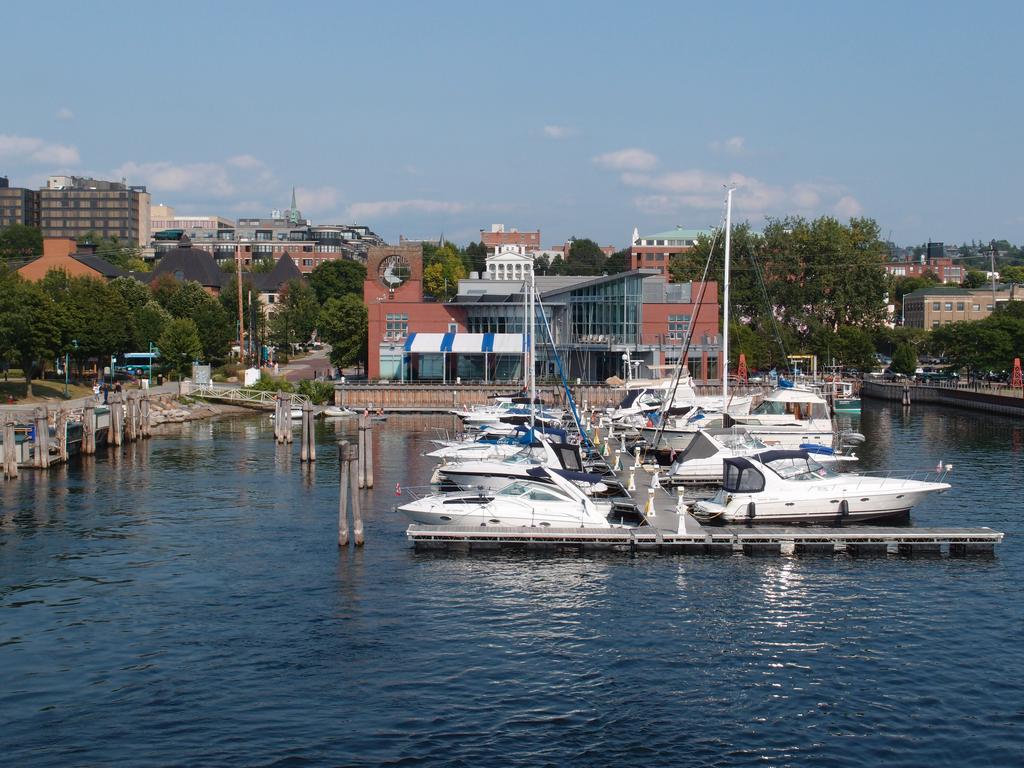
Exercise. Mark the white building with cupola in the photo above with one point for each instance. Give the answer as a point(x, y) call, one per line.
point(509, 262)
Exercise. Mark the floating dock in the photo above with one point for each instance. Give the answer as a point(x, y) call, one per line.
point(700, 540)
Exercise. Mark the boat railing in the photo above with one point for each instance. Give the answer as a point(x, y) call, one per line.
point(900, 476)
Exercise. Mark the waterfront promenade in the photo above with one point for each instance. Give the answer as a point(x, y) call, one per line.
point(988, 398)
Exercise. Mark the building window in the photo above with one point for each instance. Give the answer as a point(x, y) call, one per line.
point(976, 307)
point(396, 326)
point(935, 323)
point(988, 307)
point(677, 326)
point(935, 306)
point(307, 262)
point(453, 327)
point(949, 306)
point(959, 306)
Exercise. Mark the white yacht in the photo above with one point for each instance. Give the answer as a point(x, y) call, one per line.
point(702, 462)
point(791, 487)
point(540, 499)
point(787, 418)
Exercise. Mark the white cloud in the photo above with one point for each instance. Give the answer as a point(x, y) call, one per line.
point(383, 209)
point(411, 170)
point(702, 190)
point(29, 149)
point(204, 179)
point(848, 207)
point(65, 114)
point(558, 131)
point(631, 159)
point(246, 162)
point(730, 146)
point(313, 200)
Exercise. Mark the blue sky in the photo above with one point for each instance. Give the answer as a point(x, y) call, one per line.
point(581, 119)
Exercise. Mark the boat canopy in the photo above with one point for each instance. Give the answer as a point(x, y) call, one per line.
point(740, 476)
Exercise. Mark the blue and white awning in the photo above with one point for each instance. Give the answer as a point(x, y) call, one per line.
point(466, 343)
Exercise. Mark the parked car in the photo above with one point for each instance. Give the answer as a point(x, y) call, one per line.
point(890, 375)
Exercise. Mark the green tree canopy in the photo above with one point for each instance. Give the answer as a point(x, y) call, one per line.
point(974, 279)
point(134, 293)
point(343, 325)
point(179, 346)
point(294, 320)
point(337, 278)
point(904, 360)
point(29, 330)
point(441, 276)
point(188, 297)
point(149, 322)
point(585, 257)
point(124, 255)
point(19, 242)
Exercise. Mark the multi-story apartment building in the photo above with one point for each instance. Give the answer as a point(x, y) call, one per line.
point(656, 251)
point(18, 205)
point(256, 240)
point(941, 305)
point(941, 266)
point(72, 206)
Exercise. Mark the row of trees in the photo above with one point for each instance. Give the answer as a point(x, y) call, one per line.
point(86, 318)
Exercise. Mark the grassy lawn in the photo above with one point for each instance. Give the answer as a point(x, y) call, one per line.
point(42, 391)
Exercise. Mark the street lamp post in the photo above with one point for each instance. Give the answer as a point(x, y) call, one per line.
point(150, 377)
point(67, 359)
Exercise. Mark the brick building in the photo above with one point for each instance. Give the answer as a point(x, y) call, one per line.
point(594, 321)
point(656, 251)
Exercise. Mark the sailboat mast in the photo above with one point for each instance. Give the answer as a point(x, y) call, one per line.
point(725, 302)
point(531, 325)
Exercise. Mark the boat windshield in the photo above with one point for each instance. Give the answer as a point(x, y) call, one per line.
point(805, 410)
point(800, 469)
point(532, 492)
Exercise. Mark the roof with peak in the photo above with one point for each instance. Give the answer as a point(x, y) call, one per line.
point(283, 272)
point(187, 263)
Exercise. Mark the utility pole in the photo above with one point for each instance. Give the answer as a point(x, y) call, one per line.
point(241, 327)
point(992, 271)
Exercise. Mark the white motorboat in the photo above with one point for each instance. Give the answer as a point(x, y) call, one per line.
point(702, 462)
point(563, 459)
point(540, 499)
point(336, 412)
point(295, 414)
point(787, 418)
point(791, 487)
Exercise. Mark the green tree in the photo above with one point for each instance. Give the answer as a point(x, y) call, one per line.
point(216, 331)
point(134, 293)
point(618, 262)
point(179, 346)
point(477, 253)
point(1012, 274)
point(337, 278)
point(163, 289)
point(19, 242)
point(229, 295)
point(974, 279)
point(585, 257)
point(904, 360)
point(149, 323)
point(296, 315)
point(127, 256)
point(29, 332)
point(441, 276)
point(343, 325)
point(188, 297)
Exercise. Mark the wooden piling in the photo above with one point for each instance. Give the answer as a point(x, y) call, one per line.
point(61, 430)
point(116, 429)
point(312, 435)
point(145, 425)
point(10, 451)
point(89, 429)
point(348, 465)
point(279, 417)
point(364, 417)
point(130, 418)
point(42, 446)
point(307, 415)
point(906, 395)
point(367, 454)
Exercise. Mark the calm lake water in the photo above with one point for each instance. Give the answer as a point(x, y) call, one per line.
point(185, 603)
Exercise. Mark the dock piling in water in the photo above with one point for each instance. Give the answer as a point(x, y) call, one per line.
point(10, 451)
point(348, 462)
point(306, 427)
point(89, 429)
point(42, 439)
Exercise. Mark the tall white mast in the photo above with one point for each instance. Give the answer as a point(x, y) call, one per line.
point(531, 324)
point(725, 301)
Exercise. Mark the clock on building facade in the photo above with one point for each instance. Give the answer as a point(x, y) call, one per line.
point(393, 270)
